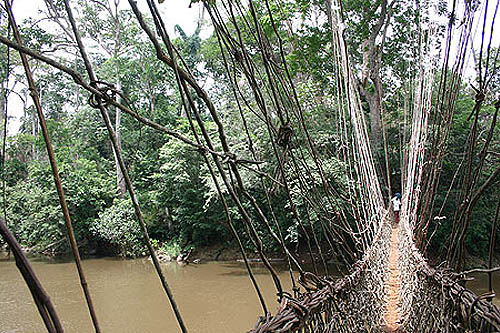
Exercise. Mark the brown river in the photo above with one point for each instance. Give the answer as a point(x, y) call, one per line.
point(212, 297)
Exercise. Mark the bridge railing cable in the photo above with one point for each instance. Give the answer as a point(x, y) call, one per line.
point(435, 300)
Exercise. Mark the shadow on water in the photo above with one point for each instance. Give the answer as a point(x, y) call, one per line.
point(61, 259)
point(258, 268)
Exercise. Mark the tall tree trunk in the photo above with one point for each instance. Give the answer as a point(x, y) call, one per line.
point(34, 126)
point(374, 101)
point(2, 109)
point(372, 60)
point(120, 181)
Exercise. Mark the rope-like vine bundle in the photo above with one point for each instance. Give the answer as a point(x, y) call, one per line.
point(354, 303)
point(434, 300)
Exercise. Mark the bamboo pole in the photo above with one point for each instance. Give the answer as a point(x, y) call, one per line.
point(128, 182)
point(55, 172)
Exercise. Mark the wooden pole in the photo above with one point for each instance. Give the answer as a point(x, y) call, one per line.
point(128, 182)
point(55, 172)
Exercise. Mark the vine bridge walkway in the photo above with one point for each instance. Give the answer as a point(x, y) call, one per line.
point(391, 289)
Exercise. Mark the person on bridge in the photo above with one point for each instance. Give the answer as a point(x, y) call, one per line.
point(396, 206)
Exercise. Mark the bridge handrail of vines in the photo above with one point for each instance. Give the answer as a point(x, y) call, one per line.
point(351, 217)
point(436, 301)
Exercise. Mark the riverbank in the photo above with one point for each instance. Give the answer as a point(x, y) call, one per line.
point(221, 252)
point(216, 252)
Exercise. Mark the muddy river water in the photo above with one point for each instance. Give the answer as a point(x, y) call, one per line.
point(212, 297)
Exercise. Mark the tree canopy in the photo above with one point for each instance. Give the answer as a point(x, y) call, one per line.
point(272, 59)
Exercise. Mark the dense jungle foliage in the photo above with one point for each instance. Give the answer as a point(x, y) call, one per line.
point(178, 197)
